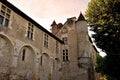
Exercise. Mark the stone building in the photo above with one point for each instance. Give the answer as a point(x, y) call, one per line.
point(30, 52)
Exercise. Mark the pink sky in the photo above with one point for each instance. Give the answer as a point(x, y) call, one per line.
point(45, 11)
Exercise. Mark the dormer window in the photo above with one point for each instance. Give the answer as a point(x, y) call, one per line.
point(4, 15)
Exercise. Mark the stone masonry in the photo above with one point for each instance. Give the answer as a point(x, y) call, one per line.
point(30, 52)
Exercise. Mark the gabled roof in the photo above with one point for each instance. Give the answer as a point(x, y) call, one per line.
point(5, 2)
point(81, 17)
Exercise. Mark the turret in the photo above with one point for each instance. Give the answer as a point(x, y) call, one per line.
point(54, 23)
point(82, 30)
point(85, 52)
point(81, 23)
point(56, 27)
point(81, 17)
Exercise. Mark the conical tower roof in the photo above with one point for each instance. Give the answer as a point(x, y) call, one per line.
point(54, 23)
point(81, 17)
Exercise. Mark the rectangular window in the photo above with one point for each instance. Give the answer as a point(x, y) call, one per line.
point(65, 40)
point(41, 60)
point(30, 31)
point(31, 35)
point(23, 55)
point(7, 16)
point(3, 7)
point(46, 40)
point(6, 22)
point(4, 15)
point(65, 55)
point(1, 19)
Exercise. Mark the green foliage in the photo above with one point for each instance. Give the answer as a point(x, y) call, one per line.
point(108, 65)
point(104, 18)
point(100, 64)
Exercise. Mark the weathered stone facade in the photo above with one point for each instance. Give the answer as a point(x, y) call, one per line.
point(30, 52)
point(81, 54)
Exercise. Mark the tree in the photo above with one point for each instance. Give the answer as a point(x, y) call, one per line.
point(104, 18)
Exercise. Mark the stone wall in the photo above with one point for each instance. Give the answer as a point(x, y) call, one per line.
point(14, 45)
point(36, 58)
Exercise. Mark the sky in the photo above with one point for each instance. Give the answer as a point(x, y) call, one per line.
point(45, 11)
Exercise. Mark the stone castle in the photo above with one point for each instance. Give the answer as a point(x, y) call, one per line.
point(30, 52)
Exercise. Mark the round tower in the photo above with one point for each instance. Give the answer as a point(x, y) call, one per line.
point(83, 48)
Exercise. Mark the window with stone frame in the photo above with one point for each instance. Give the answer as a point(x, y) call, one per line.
point(5, 13)
point(65, 40)
point(45, 40)
point(65, 55)
point(57, 47)
point(30, 31)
